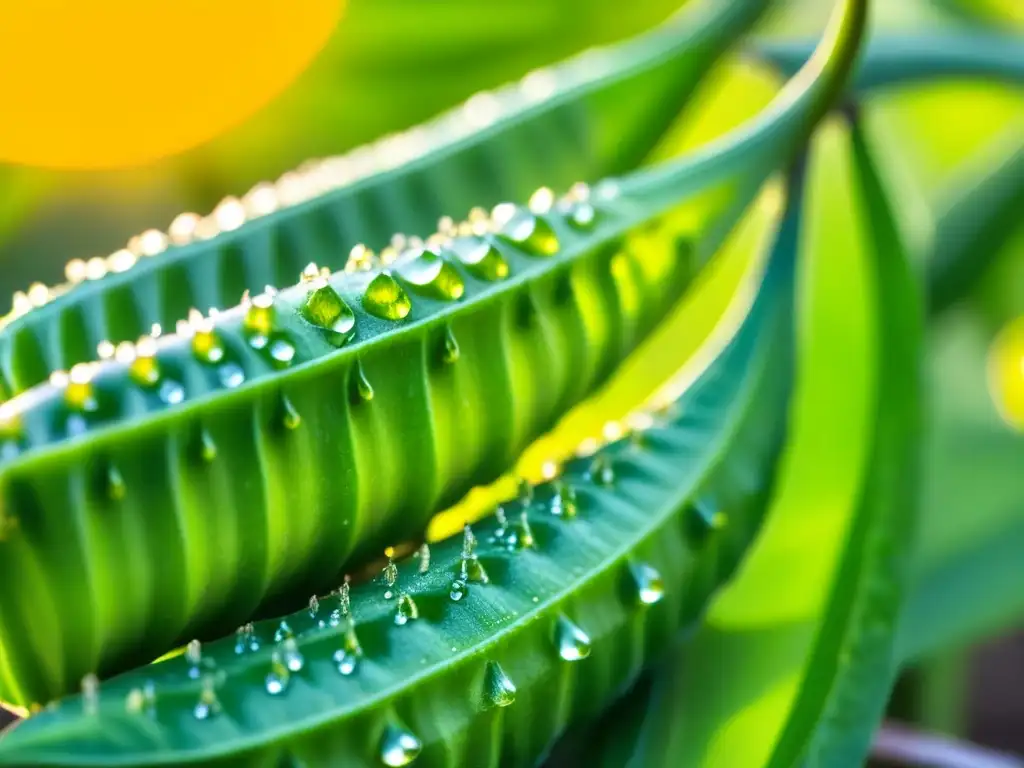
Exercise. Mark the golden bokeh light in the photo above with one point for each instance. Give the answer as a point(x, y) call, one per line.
point(114, 83)
point(1006, 373)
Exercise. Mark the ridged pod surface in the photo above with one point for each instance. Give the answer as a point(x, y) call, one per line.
point(191, 482)
point(481, 650)
point(574, 121)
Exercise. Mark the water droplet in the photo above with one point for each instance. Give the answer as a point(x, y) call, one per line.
point(79, 393)
point(361, 389)
point(194, 657)
point(90, 694)
point(502, 529)
point(563, 502)
point(470, 567)
point(580, 214)
point(520, 536)
point(649, 585)
point(458, 590)
point(706, 518)
point(325, 309)
point(207, 345)
point(260, 318)
point(171, 392)
point(406, 609)
point(399, 747)
point(424, 557)
point(386, 299)
point(601, 470)
point(290, 418)
point(291, 655)
point(429, 274)
point(480, 257)
point(116, 488)
point(206, 446)
point(231, 375)
point(528, 231)
point(450, 347)
point(208, 704)
point(348, 656)
point(314, 606)
point(245, 639)
point(278, 678)
point(573, 643)
point(499, 690)
point(144, 369)
point(344, 598)
point(281, 351)
point(283, 632)
point(390, 573)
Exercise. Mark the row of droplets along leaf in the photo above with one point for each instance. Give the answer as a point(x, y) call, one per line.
point(450, 574)
point(431, 270)
point(320, 177)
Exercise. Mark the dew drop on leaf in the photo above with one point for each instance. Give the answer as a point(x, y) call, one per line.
point(525, 229)
point(325, 309)
point(572, 642)
point(480, 257)
point(386, 299)
point(499, 690)
point(450, 348)
point(650, 587)
point(429, 274)
point(399, 747)
point(406, 610)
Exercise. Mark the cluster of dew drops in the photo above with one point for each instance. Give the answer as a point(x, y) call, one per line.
point(420, 264)
point(399, 746)
point(318, 177)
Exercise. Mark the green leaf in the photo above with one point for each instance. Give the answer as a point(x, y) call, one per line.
point(483, 648)
point(588, 118)
point(777, 676)
point(340, 434)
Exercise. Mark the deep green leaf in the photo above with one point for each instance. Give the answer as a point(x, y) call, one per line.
point(482, 654)
point(826, 676)
point(590, 117)
point(109, 472)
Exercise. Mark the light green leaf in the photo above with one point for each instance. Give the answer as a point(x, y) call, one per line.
point(784, 668)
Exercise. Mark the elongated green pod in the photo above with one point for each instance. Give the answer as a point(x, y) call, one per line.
point(587, 118)
point(482, 649)
point(193, 481)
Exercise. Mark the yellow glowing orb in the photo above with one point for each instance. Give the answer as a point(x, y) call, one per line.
point(1006, 373)
point(108, 83)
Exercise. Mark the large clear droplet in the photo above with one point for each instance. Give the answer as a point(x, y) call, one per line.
point(386, 299)
point(362, 390)
point(429, 274)
point(528, 231)
point(563, 501)
point(399, 747)
point(572, 642)
point(347, 657)
point(480, 257)
point(499, 690)
point(406, 610)
point(291, 655)
point(278, 678)
point(325, 309)
point(650, 587)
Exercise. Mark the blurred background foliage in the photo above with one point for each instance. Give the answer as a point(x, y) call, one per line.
point(394, 63)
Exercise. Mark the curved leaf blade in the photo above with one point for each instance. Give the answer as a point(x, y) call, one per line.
point(579, 121)
point(211, 589)
point(481, 661)
point(744, 692)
